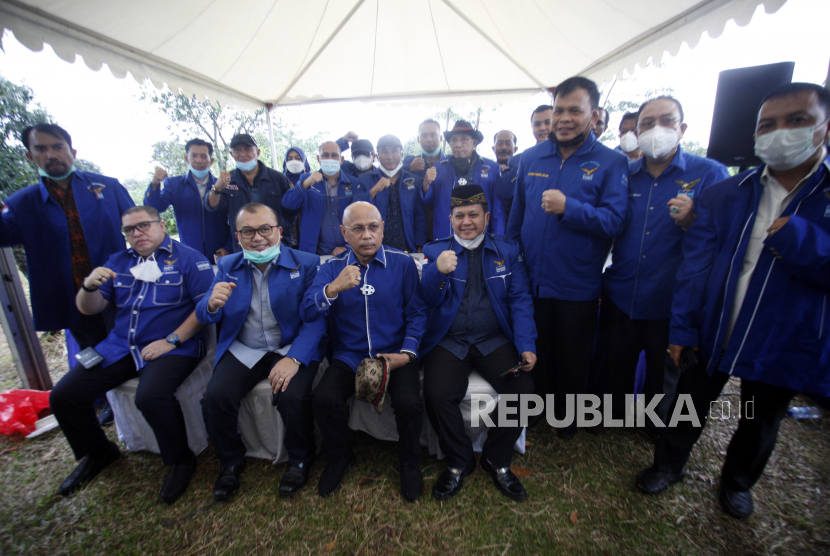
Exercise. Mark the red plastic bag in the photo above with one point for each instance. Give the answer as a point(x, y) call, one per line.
point(19, 410)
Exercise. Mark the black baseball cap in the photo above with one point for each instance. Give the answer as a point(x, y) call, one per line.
point(362, 146)
point(242, 139)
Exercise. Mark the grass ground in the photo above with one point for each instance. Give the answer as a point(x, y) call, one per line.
point(581, 500)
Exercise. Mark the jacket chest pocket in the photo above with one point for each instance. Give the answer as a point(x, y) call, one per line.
point(123, 289)
point(168, 289)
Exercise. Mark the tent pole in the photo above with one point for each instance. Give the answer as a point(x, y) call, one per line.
point(271, 137)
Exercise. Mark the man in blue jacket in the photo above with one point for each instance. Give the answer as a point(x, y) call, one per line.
point(464, 167)
point(321, 199)
point(262, 336)
point(155, 286)
point(251, 182)
point(481, 319)
point(638, 286)
point(396, 194)
point(752, 294)
point(69, 223)
point(384, 317)
point(206, 232)
point(571, 197)
point(429, 139)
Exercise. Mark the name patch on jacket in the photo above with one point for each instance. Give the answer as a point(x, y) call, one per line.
point(232, 187)
point(538, 175)
point(588, 169)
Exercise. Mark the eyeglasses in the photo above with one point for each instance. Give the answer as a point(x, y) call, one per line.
point(358, 230)
point(665, 121)
point(264, 231)
point(141, 227)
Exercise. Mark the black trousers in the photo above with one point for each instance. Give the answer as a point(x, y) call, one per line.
point(337, 386)
point(445, 385)
point(231, 382)
point(624, 338)
point(72, 398)
point(754, 439)
point(564, 348)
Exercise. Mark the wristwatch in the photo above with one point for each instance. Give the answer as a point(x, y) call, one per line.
point(173, 338)
point(297, 361)
point(410, 355)
point(214, 190)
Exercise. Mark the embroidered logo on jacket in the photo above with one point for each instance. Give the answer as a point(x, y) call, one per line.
point(97, 188)
point(589, 168)
point(500, 265)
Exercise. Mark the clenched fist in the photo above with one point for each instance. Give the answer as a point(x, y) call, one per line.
point(418, 164)
point(221, 292)
point(348, 279)
point(429, 177)
point(97, 277)
point(553, 201)
point(382, 184)
point(446, 262)
point(158, 177)
point(316, 177)
point(223, 180)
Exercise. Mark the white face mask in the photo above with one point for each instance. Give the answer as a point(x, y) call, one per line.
point(295, 166)
point(363, 162)
point(148, 271)
point(393, 171)
point(469, 243)
point(658, 141)
point(628, 142)
point(784, 149)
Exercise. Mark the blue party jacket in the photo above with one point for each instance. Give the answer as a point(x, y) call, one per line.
point(413, 213)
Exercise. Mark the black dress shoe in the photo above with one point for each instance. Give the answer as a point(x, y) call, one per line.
point(106, 417)
point(653, 480)
point(506, 482)
point(737, 503)
point(295, 478)
point(450, 482)
point(412, 482)
point(178, 479)
point(228, 482)
point(88, 468)
point(332, 478)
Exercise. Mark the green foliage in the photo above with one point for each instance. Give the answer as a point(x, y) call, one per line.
point(137, 189)
point(170, 156)
point(18, 110)
point(87, 166)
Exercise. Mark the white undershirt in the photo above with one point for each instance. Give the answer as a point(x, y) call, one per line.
point(774, 200)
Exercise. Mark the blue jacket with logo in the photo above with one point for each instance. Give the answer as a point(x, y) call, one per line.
point(486, 173)
point(407, 161)
point(565, 253)
point(505, 278)
point(782, 334)
point(204, 231)
point(385, 314)
point(149, 311)
point(641, 278)
point(273, 186)
point(31, 217)
point(312, 202)
point(412, 205)
point(287, 284)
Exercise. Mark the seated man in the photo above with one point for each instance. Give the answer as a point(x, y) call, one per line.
point(155, 285)
point(261, 337)
point(322, 197)
point(395, 192)
point(385, 317)
point(482, 318)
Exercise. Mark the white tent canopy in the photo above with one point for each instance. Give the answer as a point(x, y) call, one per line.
point(284, 52)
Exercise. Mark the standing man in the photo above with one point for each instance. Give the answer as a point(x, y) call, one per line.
point(371, 296)
point(482, 320)
point(261, 337)
point(396, 194)
point(322, 197)
point(629, 145)
point(602, 122)
point(504, 147)
point(206, 232)
point(751, 296)
point(155, 286)
point(69, 223)
point(639, 285)
point(464, 167)
point(541, 121)
point(429, 139)
point(363, 159)
point(571, 197)
point(251, 182)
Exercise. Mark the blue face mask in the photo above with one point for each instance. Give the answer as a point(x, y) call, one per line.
point(330, 167)
point(433, 153)
point(198, 174)
point(264, 256)
point(44, 174)
point(246, 166)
